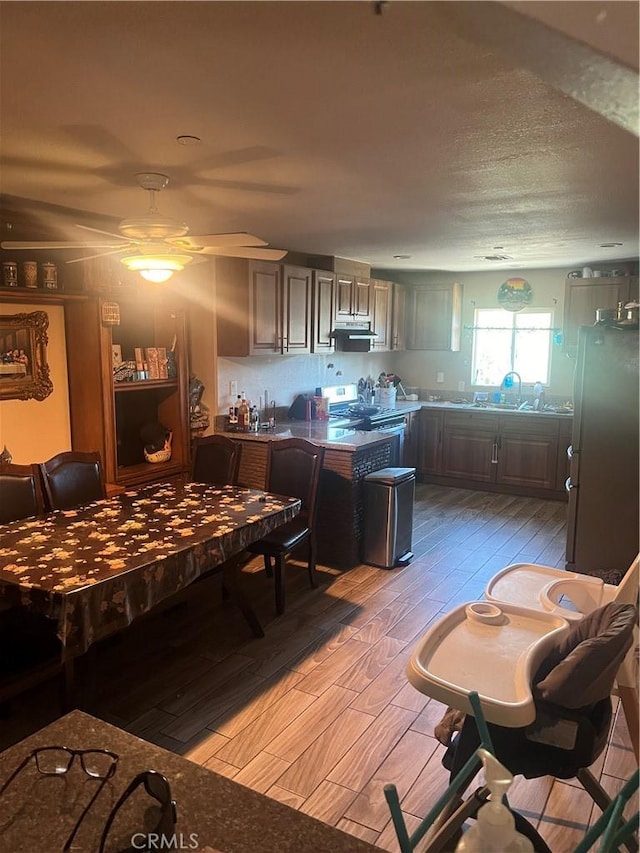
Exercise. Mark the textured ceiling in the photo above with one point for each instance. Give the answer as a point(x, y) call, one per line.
point(437, 130)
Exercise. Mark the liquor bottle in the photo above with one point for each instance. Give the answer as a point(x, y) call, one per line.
point(243, 414)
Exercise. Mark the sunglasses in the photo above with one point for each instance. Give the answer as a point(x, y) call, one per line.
point(157, 787)
point(58, 760)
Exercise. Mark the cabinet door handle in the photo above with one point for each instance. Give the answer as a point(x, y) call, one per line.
point(494, 453)
point(568, 485)
point(571, 452)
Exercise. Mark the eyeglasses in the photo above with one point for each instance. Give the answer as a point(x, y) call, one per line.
point(57, 760)
point(156, 786)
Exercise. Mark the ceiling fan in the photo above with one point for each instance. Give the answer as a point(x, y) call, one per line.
point(156, 246)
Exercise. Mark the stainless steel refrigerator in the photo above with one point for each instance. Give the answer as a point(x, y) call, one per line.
point(602, 530)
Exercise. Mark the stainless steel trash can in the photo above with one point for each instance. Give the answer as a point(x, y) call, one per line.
point(388, 522)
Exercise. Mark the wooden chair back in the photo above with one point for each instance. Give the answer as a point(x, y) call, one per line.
point(20, 492)
point(215, 460)
point(73, 478)
point(293, 469)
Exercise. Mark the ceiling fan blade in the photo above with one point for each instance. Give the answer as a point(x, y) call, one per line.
point(239, 238)
point(99, 255)
point(100, 231)
point(52, 244)
point(256, 254)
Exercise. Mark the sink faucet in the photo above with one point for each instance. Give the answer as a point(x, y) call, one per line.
point(519, 378)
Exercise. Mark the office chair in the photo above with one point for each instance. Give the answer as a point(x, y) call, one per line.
point(20, 492)
point(215, 460)
point(73, 478)
point(293, 469)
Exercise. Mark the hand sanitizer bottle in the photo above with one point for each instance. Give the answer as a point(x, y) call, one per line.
point(495, 828)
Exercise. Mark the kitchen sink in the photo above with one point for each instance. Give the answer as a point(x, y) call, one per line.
point(496, 406)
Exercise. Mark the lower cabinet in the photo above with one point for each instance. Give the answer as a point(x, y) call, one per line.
point(411, 440)
point(469, 452)
point(516, 453)
point(528, 456)
point(430, 442)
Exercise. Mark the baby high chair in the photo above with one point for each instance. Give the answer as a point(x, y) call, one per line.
point(573, 595)
point(544, 689)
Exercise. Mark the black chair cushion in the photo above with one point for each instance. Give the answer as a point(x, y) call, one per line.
point(283, 539)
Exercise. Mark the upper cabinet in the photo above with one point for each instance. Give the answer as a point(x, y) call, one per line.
point(381, 296)
point(353, 299)
point(324, 309)
point(263, 308)
point(399, 318)
point(583, 295)
point(434, 317)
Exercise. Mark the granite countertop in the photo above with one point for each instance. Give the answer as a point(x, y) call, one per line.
point(333, 434)
point(38, 812)
point(448, 406)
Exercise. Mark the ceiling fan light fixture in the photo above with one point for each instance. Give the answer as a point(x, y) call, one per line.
point(156, 268)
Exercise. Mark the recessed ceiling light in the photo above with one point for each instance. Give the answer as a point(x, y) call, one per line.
point(609, 245)
point(188, 140)
point(402, 257)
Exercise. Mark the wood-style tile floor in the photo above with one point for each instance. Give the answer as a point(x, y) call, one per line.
point(319, 713)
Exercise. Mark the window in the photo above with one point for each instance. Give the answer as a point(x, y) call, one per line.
point(504, 341)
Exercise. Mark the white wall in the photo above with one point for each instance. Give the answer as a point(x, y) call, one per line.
point(35, 430)
point(286, 376)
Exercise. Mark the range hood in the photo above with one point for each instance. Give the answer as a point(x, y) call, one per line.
point(351, 337)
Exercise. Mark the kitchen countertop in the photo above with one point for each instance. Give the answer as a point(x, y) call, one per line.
point(39, 811)
point(343, 434)
point(333, 434)
point(448, 406)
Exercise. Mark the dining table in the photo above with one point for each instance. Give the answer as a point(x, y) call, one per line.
point(96, 568)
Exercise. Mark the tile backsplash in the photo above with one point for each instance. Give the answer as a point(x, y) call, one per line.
point(286, 376)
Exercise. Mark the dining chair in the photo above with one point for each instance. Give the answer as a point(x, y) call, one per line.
point(73, 478)
point(293, 469)
point(20, 492)
point(215, 460)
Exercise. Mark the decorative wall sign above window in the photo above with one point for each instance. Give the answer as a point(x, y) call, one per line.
point(515, 294)
point(24, 372)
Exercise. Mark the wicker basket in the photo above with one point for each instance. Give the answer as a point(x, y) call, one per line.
point(158, 456)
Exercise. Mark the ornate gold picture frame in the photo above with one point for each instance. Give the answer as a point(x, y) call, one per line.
point(24, 372)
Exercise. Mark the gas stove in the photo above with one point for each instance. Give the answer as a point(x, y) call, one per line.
point(345, 403)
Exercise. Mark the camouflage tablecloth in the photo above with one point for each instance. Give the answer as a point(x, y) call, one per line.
point(96, 568)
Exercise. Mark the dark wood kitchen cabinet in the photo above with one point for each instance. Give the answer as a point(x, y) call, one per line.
point(430, 442)
point(527, 453)
point(107, 416)
point(399, 317)
point(518, 453)
point(263, 308)
point(583, 295)
point(324, 300)
point(381, 314)
point(469, 447)
point(353, 299)
point(435, 317)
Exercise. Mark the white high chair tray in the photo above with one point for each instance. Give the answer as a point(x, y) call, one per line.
point(531, 585)
point(492, 649)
